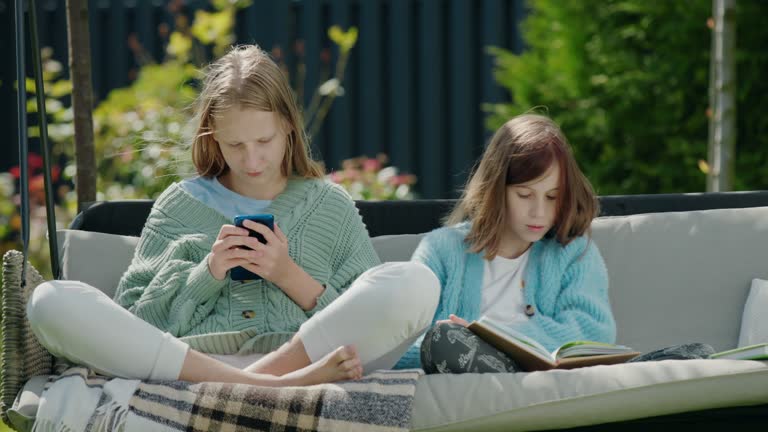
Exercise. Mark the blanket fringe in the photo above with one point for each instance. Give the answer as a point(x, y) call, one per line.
point(49, 426)
point(110, 416)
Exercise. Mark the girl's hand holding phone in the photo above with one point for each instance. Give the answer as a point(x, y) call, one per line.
point(272, 261)
point(228, 252)
point(269, 260)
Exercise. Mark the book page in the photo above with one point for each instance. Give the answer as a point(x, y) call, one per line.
point(751, 352)
point(589, 348)
point(514, 334)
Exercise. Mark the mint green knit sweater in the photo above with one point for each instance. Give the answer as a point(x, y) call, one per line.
point(169, 286)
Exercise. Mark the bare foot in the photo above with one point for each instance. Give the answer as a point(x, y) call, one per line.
point(341, 364)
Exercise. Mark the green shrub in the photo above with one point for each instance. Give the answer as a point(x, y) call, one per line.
point(628, 82)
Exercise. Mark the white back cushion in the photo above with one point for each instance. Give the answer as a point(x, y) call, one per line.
point(396, 247)
point(682, 277)
point(95, 258)
point(754, 319)
point(674, 277)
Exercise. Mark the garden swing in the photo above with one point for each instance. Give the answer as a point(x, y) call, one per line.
point(100, 243)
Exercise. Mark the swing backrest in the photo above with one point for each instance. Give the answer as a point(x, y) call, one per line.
point(419, 216)
point(649, 256)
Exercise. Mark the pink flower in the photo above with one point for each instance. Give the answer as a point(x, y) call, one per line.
point(371, 165)
point(403, 179)
point(337, 177)
point(352, 175)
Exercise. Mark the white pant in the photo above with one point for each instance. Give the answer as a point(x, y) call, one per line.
point(381, 314)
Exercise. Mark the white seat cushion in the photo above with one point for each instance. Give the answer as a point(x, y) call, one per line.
point(578, 397)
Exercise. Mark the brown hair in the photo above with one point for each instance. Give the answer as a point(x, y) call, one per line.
point(246, 77)
point(523, 149)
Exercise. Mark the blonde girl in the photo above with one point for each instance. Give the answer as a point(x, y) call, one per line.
point(323, 309)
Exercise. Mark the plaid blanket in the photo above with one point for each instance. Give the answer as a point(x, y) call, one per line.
point(380, 401)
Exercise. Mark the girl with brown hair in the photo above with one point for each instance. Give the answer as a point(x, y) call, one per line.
point(516, 248)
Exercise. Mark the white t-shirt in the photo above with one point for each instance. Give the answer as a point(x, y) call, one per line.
point(502, 289)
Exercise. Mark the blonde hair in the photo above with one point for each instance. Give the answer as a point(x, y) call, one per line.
point(523, 149)
point(247, 78)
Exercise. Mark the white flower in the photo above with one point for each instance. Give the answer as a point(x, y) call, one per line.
point(130, 117)
point(331, 87)
point(70, 171)
point(6, 184)
point(67, 115)
point(53, 105)
point(149, 136)
point(52, 66)
point(137, 125)
point(154, 151)
point(387, 173)
point(60, 132)
point(113, 192)
point(403, 191)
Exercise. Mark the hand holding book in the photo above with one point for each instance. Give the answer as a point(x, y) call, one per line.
point(453, 319)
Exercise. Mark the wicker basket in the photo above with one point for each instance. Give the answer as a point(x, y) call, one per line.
point(22, 355)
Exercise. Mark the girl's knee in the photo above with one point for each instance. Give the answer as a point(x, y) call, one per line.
point(424, 280)
point(54, 301)
point(414, 282)
point(403, 288)
point(438, 346)
point(43, 303)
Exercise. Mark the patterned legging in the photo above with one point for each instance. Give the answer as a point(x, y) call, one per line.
point(451, 348)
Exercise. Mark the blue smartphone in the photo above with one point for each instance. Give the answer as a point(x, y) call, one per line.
point(239, 273)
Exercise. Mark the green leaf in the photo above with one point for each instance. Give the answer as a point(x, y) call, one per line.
point(60, 88)
point(30, 86)
point(179, 46)
point(345, 40)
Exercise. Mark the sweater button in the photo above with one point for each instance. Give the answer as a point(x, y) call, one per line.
point(530, 310)
point(248, 314)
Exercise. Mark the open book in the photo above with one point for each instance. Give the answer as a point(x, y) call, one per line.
point(532, 356)
point(751, 352)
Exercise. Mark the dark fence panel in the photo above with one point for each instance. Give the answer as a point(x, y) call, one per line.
point(414, 83)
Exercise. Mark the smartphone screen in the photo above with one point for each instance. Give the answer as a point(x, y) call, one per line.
point(239, 273)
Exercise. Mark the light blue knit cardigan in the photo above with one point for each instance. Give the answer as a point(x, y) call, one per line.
point(566, 285)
